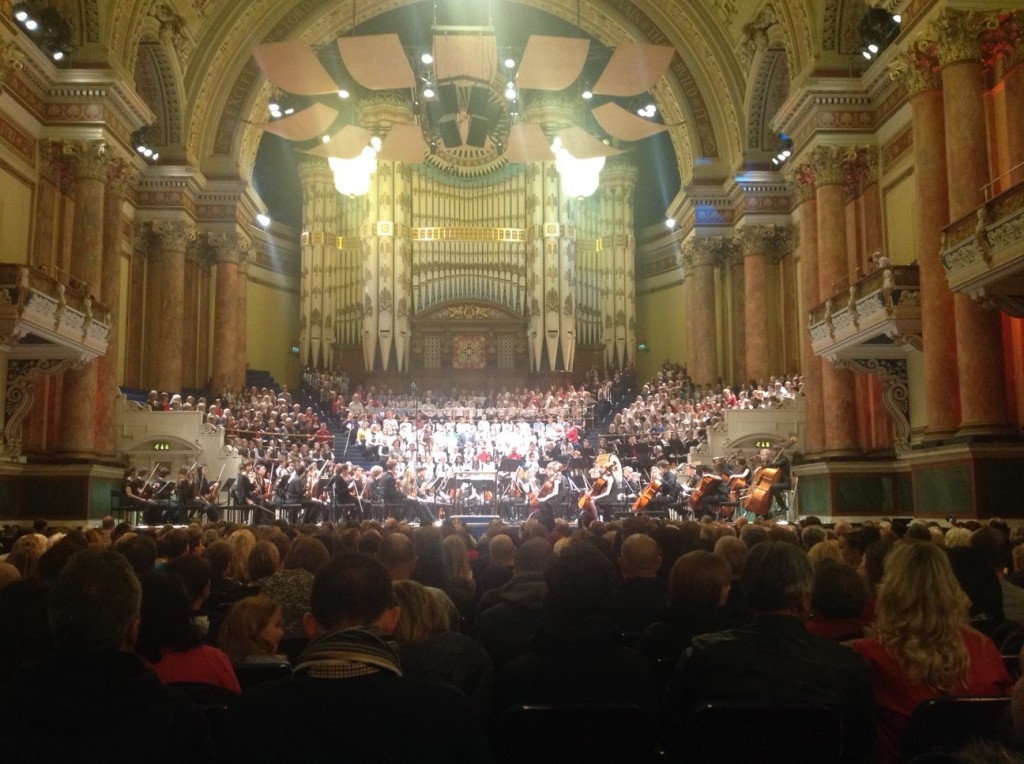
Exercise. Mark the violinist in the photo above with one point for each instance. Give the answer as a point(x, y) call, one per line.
point(549, 498)
point(411, 507)
point(158, 494)
point(132, 486)
point(342, 490)
point(204, 501)
point(295, 493)
point(629, 486)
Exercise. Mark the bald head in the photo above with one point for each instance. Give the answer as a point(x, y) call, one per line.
point(398, 555)
point(501, 549)
point(640, 557)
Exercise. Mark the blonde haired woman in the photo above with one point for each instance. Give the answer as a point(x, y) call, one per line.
point(921, 645)
point(252, 631)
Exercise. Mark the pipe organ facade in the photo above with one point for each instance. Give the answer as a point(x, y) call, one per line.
point(494, 269)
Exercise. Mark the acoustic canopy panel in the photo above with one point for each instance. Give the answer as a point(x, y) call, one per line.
point(377, 61)
point(292, 66)
point(633, 69)
point(623, 124)
point(303, 125)
point(551, 63)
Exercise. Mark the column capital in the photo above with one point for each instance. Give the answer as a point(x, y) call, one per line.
point(705, 251)
point(90, 159)
point(1002, 48)
point(229, 247)
point(121, 177)
point(958, 34)
point(801, 178)
point(862, 168)
point(167, 235)
point(56, 165)
point(764, 240)
point(11, 58)
point(917, 67)
point(827, 163)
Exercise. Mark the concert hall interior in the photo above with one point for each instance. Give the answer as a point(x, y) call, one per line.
point(813, 207)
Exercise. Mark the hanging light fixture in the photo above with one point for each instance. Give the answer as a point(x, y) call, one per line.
point(352, 176)
point(580, 177)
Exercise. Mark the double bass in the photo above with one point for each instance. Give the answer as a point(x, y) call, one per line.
point(759, 500)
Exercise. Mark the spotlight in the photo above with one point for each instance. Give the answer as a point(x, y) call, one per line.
point(510, 63)
point(587, 94)
point(343, 93)
point(428, 92)
point(670, 223)
point(31, 25)
point(510, 92)
point(427, 59)
point(263, 219)
point(58, 55)
point(325, 139)
point(873, 48)
point(897, 18)
point(21, 15)
point(140, 142)
point(866, 54)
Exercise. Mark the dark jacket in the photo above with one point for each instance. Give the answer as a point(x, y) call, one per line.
point(455, 660)
point(103, 707)
point(508, 616)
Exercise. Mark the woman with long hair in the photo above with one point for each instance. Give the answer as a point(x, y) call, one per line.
point(921, 645)
point(252, 631)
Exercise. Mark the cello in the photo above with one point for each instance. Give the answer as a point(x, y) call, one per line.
point(646, 496)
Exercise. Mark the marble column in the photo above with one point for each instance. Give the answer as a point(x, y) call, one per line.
point(810, 364)
point(700, 257)
point(918, 67)
point(838, 386)
point(190, 314)
point(757, 241)
point(979, 336)
point(241, 347)
point(738, 335)
point(78, 395)
point(119, 179)
point(56, 183)
point(165, 299)
point(228, 252)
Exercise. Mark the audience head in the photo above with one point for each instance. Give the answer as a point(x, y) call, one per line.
point(734, 552)
point(579, 581)
point(264, 560)
point(195, 574)
point(94, 604)
point(253, 627)
point(994, 546)
point(306, 553)
point(420, 613)
point(919, 613)
point(979, 582)
point(140, 551)
point(839, 591)
point(778, 578)
point(533, 556)
point(350, 591)
point(639, 557)
point(500, 550)
point(398, 555)
point(699, 581)
point(166, 616)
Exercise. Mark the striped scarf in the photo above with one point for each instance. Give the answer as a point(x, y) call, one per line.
point(350, 652)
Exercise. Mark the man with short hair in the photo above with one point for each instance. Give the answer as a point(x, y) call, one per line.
point(641, 596)
point(350, 671)
point(775, 660)
point(65, 704)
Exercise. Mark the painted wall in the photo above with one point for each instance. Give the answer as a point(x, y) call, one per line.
point(273, 323)
point(661, 323)
point(15, 215)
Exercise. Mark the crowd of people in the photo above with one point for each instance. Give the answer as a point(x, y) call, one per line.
point(464, 450)
point(421, 639)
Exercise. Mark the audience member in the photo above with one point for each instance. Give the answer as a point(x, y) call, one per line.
point(351, 671)
point(637, 601)
point(290, 587)
point(774, 660)
point(94, 611)
point(920, 645)
point(252, 631)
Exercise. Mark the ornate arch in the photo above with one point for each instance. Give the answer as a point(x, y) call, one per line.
point(226, 87)
point(769, 88)
point(839, 20)
point(158, 81)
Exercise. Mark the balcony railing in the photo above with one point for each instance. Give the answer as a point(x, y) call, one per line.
point(877, 317)
point(39, 310)
point(983, 253)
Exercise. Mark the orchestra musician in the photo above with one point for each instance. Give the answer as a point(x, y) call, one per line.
point(132, 486)
point(390, 494)
point(158, 496)
point(783, 481)
point(342, 491)
point(205, 496)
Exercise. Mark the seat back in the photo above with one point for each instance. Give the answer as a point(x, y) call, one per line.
point(735, 732)
point(949, 723)
point(252, 674)
point(555, 734)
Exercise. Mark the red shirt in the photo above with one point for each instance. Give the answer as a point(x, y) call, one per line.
point(203, 664)
point(895, 698)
